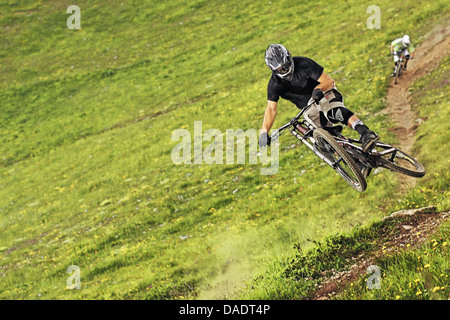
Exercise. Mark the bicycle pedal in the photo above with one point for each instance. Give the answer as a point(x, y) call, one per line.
point(370, 145)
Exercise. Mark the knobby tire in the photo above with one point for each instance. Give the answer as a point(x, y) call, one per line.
point(324, 141)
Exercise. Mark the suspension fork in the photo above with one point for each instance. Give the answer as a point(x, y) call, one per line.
point(301, 136)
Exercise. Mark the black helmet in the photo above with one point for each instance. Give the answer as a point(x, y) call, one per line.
point(280, 61)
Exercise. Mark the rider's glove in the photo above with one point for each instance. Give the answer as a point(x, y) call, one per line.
point(264, 140)
point(317, 95)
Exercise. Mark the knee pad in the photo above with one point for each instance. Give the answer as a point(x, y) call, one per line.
point(333, 109)
point(339, 115)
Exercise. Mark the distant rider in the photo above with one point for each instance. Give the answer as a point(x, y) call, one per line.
point(402, 46)
point(297, 79)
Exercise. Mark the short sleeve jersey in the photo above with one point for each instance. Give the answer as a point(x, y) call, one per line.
point(397, 45)
point(300, 88)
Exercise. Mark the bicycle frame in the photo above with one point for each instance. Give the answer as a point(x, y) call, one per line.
point(303, 130)
point(345, 155)
point(368, 159)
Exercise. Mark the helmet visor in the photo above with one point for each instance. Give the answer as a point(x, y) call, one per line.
point(286, 71)
point(284, 68)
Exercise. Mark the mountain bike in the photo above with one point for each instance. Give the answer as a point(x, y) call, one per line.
point(345, 155)
point(400, 66)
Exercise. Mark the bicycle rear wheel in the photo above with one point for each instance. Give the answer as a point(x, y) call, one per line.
point(342, 161)
point(401, 162)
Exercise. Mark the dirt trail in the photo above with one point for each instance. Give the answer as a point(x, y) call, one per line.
point(427, 56)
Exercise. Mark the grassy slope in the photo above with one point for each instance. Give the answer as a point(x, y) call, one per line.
point(86, 120)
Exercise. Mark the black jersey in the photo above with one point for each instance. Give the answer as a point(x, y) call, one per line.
point(300, 88)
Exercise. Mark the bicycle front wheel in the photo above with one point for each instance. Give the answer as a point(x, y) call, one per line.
point(399, 72)
point(342, 161)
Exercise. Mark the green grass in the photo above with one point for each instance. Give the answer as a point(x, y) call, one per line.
point(85, 149)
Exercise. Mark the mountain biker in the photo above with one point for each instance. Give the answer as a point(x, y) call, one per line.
point(402, 46)
point(297, 79)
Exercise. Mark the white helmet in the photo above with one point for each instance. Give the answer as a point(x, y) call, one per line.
point(406, 41)
point(280, 61)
